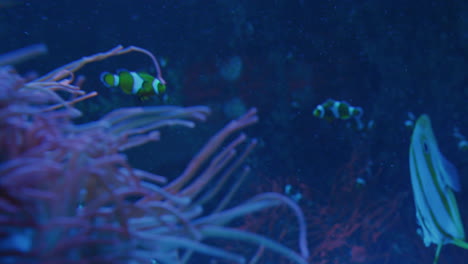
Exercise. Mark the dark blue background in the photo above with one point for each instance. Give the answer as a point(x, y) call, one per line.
point(389, 57)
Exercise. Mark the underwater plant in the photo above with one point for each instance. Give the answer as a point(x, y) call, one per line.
point(69, 195)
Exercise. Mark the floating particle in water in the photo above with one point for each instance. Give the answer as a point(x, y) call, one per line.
point(234, 108)
point(231, 69)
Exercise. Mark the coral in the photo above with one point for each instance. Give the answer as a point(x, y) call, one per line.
point(347, 222)
point(353, 222)
point(69, 195)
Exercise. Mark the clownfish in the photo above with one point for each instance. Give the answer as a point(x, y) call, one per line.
point(331, 110)
point(140, 84)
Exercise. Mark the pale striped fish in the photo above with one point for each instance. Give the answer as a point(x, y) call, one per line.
point(434, 179)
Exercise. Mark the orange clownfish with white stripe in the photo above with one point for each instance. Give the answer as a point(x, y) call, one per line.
point(140, 84)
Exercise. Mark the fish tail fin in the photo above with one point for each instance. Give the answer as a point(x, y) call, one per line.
point(457, 242)
point(460, 243)
point(437, 254)
point(108, 79)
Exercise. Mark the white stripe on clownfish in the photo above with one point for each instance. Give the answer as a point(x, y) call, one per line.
point(137, 82)
point(116, 80)
point(322, 111)
point(155, 84)
point(335, 108)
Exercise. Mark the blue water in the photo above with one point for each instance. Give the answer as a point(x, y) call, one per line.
point(285, 57)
